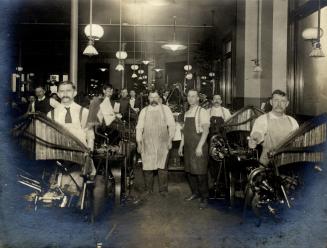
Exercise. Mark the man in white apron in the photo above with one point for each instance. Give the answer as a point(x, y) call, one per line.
point(272, 128)
point(154, 134)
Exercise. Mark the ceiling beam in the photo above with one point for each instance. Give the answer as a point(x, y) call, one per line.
point(117, 25)
point(306, 9)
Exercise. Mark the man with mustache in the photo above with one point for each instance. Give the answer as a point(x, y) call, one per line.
point(71, 115)
point(217, 110)
point(154, 134)
point(272, 128)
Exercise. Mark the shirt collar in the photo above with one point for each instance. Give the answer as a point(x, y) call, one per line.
point(273, 116)
point(71, 106)
point(41, 99)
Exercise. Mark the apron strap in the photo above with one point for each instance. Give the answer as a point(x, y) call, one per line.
point(80, 114)
point(52, 114)
point(268, 133)
point(223, 112)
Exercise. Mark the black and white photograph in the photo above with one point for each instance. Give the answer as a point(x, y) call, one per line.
point(163, 123)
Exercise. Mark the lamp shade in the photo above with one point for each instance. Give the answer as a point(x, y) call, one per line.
point(257, 68)
point(90, 50)
point(203, 77)
point(97, 31)
point(317, 51)
point(134, 75)
point(173, 46)
point(212, 74)
point(119, 67)
point(134, 67)
point(121, 55)
point(187, 67)
point(140, 71)
point(189, 76)
point(146, 62)
point(311, 33)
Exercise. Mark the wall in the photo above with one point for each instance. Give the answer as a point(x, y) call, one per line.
point(312, 72)
point(252, 88)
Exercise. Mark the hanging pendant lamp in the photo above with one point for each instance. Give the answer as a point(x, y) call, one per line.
point(257, 67)
point(174, 45)
point(316, 45)
point(90, 49)
point(121, 54)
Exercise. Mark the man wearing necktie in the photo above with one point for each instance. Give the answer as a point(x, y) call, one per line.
point(73, 118)
point(71, 115)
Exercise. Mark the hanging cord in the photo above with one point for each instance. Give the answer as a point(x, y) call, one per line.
point(120, 20)
point(174, 35)
point(258, 16)
point(91, 11)
point(134, 30)
point(318, 38)
point(188, 36)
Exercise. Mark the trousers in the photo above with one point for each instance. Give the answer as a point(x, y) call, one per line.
point(162, 179)
point(198, 185)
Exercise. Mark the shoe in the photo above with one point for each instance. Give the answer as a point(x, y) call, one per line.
point(203, 204)
point(191, 197)
point(163, 194)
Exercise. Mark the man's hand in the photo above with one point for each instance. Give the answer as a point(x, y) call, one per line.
point(254, 140)
point(170, 144)
point(119, 116)
point(139, 147)
point(198, 151)
point(180, 151)
point(136, 110)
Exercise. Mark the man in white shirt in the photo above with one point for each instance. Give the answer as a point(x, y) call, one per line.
point(272, 128)
point(194, 142)
point(154, 134)
point(217, 110)
point(108, 111)
point(71, 115)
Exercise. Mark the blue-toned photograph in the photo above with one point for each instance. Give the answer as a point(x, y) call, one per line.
point(163, 124)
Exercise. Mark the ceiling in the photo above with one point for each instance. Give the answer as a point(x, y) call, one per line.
point(43, 25)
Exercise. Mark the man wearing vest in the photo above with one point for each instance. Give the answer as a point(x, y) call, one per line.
point(272, 128)
point(194, 141)
point(154, 134)
point(43, 104)
point(71, 115)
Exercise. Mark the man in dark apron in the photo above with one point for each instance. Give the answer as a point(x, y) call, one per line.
point(218, 116)
point(194, 142)
point(272, 128)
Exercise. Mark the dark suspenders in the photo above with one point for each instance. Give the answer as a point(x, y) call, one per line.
point(80, 114)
